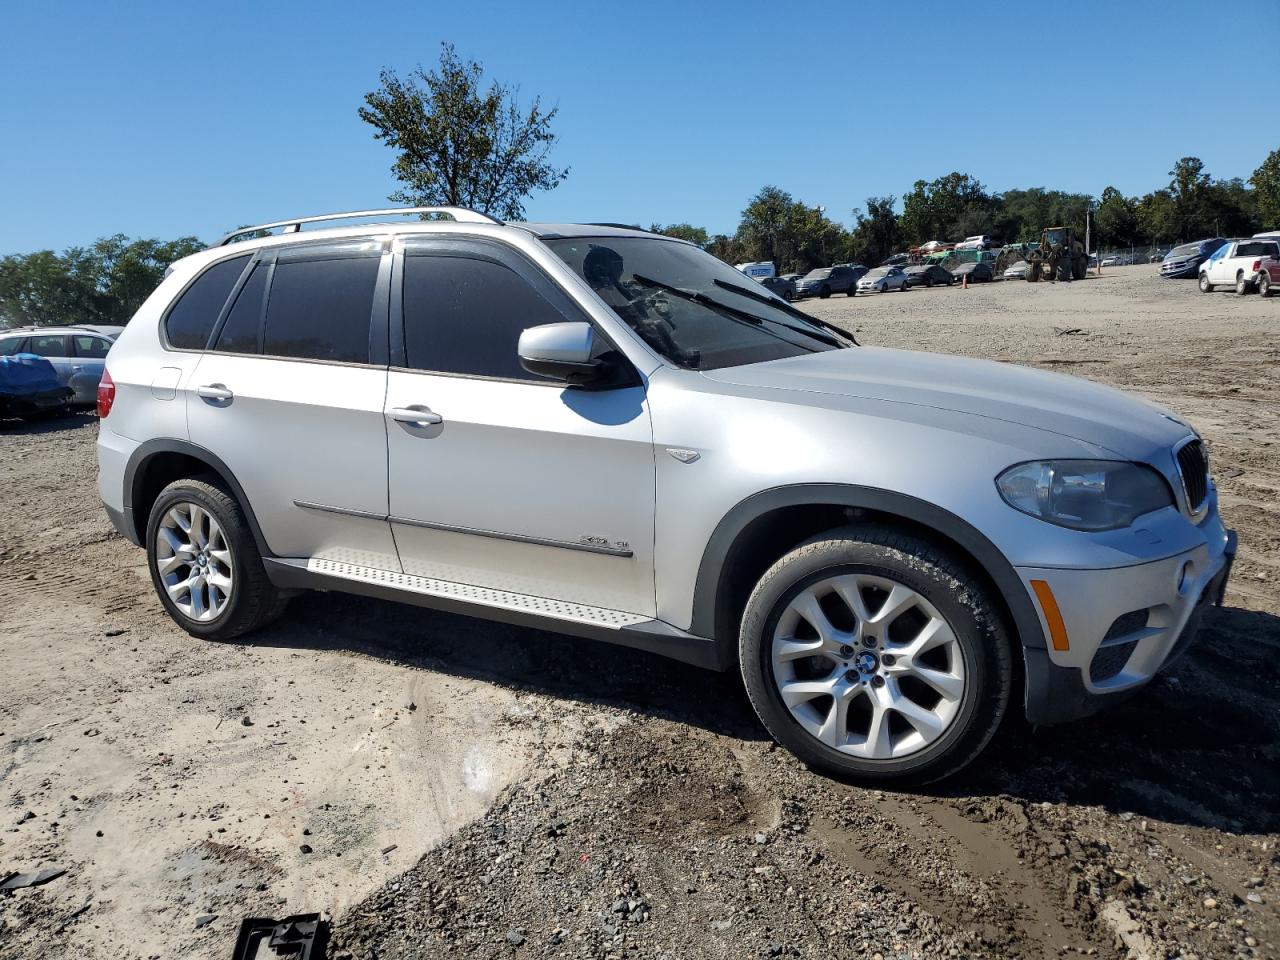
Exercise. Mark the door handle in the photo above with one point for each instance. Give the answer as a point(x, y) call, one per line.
point(416, 416)
point(216, 394)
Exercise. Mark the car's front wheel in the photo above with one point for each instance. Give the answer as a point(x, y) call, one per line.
point(1264, 284)
point(204, 563)
point(824, 292)
point(1205, 285)
point(1243, 285)
point(874, 656)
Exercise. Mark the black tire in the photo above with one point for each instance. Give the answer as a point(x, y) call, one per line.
point(1243, 285)
point(255, 601)
point(928, 281)
point(940, 579)
point(853, 289)
point(1205, 285)
point(824, 292)
point(1264, 284)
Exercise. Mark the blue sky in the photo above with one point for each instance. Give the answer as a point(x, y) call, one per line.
point(191, 118)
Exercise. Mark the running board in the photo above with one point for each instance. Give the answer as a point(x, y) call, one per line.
point(557, 616)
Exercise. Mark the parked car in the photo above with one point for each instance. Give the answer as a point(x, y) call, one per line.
point(897, 260)
point(793, 277)
point(884, 279)
point(974, 243)
point(780, 286)
point(1267, 276)
point(978, 272)
point(1183, 262)
point(77, 353)
point(1234, 264)
point(1016, 271)
point(927, 275)
point(607, 432)
point(825, 281)
point(29, 386)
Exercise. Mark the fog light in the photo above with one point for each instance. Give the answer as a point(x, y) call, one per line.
point(1186, 576)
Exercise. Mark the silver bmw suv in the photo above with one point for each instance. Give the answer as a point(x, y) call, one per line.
point(610, 433)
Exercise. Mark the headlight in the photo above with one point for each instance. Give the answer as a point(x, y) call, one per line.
point(1084, 494)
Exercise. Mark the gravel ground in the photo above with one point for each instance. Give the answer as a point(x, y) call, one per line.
point(468, 789)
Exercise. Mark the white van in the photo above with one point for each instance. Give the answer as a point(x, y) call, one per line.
point(758, 270)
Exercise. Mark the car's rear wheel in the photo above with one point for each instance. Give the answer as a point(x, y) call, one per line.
point(873, 655)
point(1264, 284)
point(1205, 285)
point(204, 563)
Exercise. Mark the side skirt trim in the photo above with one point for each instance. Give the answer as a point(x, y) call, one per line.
point(586, 546)
point(558, 616)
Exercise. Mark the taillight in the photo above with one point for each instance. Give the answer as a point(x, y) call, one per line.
point(1257, 265)
point(106, 394)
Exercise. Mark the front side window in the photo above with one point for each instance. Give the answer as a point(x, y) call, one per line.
point(465, 315)
point(9, 346)
point(191, 319)
point(92, 348)
point(320, 309)
point(693, 309)
point(50, 346)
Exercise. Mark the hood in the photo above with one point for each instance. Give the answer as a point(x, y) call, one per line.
point(1124, 424)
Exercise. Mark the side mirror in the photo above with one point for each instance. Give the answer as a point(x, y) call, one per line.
point(562, 351)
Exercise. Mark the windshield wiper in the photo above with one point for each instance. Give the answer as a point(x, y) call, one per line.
point(694, 296)
point(788, 308)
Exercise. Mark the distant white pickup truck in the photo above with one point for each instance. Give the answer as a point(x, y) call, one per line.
point(1235, 263)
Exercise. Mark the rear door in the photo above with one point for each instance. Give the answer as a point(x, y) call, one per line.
point(56, 348)
point(521, 484)
point(290, 397)
point(90, 360)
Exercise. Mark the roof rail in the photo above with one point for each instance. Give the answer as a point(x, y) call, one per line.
point(459, 214)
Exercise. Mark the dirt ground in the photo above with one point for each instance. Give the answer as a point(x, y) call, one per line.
point(444, 787)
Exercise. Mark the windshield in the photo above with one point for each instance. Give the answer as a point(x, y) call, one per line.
point(1186, 250)
point(820, 274)
point(690, 307)
point(879, 272)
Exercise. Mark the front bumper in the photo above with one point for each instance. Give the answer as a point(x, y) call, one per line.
point(1122, 625)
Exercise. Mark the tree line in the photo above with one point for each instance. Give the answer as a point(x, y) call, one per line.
point(102, 283)
point(797, 236)
point(460, 142)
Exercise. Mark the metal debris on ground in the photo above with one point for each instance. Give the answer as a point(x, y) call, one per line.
point(16, 881)
point(301, 937)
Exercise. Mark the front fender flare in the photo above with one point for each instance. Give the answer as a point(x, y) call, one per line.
point(711, 618)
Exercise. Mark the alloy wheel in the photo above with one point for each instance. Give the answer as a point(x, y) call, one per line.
point(868, 666)
point(193, 560)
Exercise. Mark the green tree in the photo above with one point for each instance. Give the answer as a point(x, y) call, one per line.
point(877, 234)
point(1266, 191)
point(1157, 218)
point(104, 283)
point(460, 145)
point(1116, 220)
point(791, 234)
point(683, 231)
point(942, 209)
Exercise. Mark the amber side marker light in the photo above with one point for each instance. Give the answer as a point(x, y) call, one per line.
point(1052, 615)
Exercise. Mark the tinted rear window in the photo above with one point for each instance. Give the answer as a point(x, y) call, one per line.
point(244, 323)
point(191, 319)
point(320, 309)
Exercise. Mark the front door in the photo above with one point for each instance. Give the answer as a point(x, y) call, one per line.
point(499, 478)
